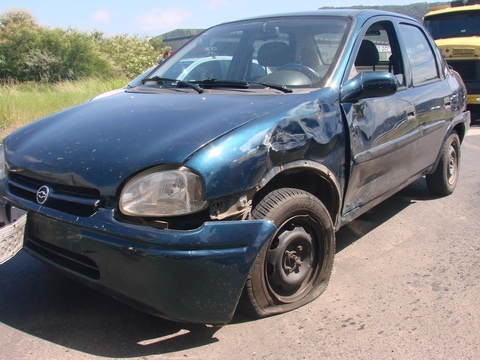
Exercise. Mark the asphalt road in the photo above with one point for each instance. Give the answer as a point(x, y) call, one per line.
point(405, 285)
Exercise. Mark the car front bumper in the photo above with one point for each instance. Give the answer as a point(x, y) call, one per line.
point(191, 276)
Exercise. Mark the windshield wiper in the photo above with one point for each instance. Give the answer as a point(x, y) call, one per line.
point(208, 83)
point(283, 88)
point(239, 84)
point(174, 82)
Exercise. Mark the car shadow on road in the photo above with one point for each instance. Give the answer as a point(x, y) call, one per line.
point(375, 217)
point(38, 301)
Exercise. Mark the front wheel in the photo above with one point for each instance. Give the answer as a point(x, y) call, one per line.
point(444, 180)
point(295, 266)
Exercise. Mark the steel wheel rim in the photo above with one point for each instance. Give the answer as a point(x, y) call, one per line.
point(452, 169)
point(293, 261)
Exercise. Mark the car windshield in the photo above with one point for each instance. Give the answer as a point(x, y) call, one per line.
point(138, 80)
point(464, 23)
point(294, 52)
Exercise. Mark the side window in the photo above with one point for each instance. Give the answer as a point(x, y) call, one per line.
point(379, 51)
point(420, 55)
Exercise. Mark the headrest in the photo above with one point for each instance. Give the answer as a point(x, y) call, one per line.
point(274, 54)
point(367, 55)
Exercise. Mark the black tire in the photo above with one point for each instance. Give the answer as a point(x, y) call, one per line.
point(443, 181)
point(294, 267)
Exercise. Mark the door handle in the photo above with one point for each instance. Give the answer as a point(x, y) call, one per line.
point(447, 102)
point(411, 112)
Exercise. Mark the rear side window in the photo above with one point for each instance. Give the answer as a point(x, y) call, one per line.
point(420, 55)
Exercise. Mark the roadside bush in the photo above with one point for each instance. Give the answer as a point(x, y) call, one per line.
point(29, 52)
point(128, 55)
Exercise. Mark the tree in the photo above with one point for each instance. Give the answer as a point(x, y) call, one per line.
point(82, 57)
point(18, 33)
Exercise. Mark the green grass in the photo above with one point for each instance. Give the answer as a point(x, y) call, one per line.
point(21, 104)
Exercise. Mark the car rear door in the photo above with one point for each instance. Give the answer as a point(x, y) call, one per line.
point(432, 93)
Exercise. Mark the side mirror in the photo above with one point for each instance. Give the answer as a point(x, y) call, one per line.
point(369, 84)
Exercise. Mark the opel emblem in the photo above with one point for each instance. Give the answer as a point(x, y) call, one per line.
point(42, 194)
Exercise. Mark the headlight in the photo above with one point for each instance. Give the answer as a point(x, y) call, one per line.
point(162, 193)
point(3, 169)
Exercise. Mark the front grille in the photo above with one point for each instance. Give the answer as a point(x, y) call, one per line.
point(78, 201)
point(65, 258)
point(463, 52)
point(468, 69)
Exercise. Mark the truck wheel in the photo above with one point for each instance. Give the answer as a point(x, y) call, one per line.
point(294, 267)
point(443, 181)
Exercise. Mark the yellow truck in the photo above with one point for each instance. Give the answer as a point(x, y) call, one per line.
point(456, 30)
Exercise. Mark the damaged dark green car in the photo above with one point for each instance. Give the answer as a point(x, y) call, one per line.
point(219, 181)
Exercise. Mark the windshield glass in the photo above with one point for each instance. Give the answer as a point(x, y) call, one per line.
point(463, 23)
point(140, 77)
point(290, 52)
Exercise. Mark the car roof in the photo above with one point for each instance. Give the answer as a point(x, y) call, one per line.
point(359, 14)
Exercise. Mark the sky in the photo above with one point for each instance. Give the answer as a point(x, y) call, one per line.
point(154, 17)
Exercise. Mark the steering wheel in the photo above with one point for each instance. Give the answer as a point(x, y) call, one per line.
point(306, 70)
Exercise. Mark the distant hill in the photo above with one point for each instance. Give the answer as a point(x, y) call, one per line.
point(416, 10)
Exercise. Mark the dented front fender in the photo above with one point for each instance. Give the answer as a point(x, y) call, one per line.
point(243, 159)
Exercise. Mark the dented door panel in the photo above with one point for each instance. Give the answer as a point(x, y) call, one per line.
point(383, 135)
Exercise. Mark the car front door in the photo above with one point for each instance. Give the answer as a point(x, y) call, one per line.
point(382, 130)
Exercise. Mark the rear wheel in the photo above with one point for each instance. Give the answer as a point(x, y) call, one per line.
point(295, 266)
point(444, 180)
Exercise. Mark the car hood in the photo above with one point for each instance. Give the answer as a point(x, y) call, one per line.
point(100, 143)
